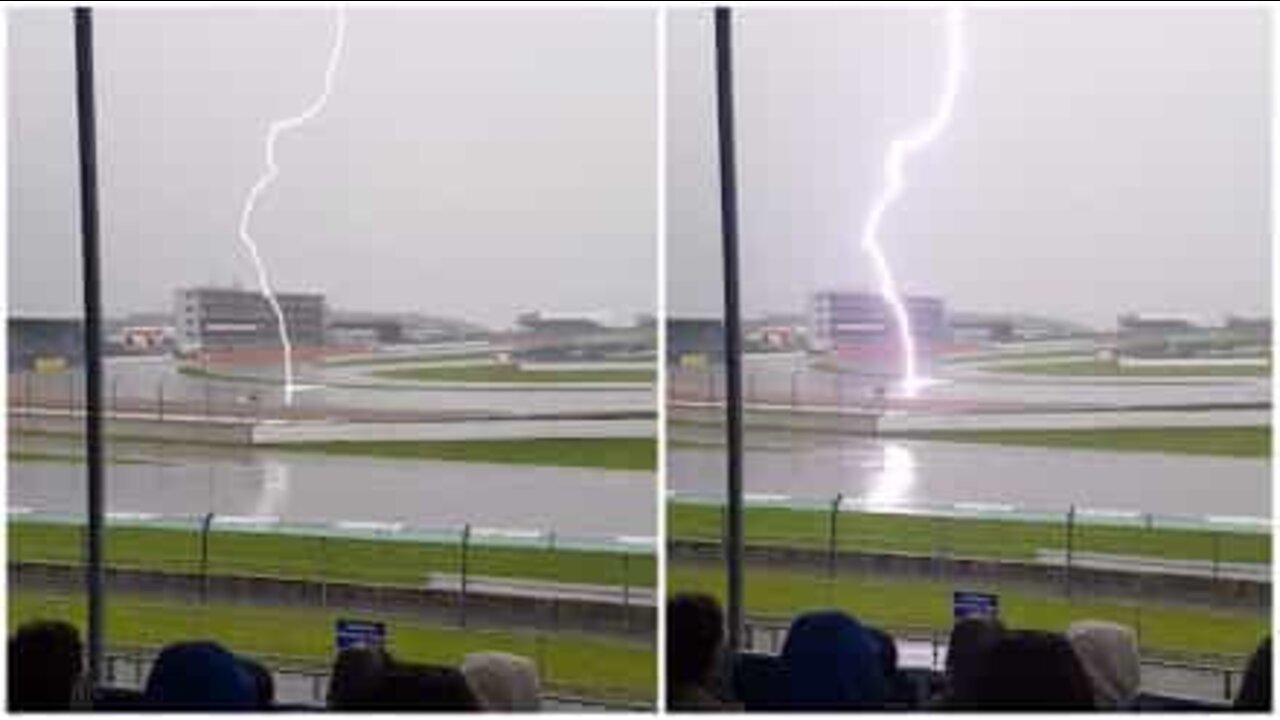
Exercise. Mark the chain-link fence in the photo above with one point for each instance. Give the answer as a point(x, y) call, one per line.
point(460, 574)
point(1187, 585)
point(583, 608)
point(304, 684)
point(924, 647)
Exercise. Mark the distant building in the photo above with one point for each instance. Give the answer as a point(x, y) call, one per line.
point(556, 336)
point(1168, 335)
point(45, 344)
point(860, 327)
point(222, 318)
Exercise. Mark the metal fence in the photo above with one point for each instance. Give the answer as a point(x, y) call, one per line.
point(305, 683)
point(1212, 547)
point(924, 647)
point(1130, 567)
point(189, 394)
point(465, 574)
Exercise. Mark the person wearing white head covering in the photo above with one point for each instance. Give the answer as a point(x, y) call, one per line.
point(503, 682)
point(1109, 653)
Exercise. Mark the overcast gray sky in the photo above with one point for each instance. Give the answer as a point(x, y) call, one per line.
point(471, 162)
point(1100, 160)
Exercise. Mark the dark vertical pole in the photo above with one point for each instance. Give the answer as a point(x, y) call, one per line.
point(1071, 537)
point(833, 537)
point(92, 320)
point(732, 321)
point(206, 524)
point(462, 586)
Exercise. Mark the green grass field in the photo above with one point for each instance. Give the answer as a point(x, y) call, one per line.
point(977, 538)
point(1162, 629)
point(511, 373)
point(334, 559)
point(70, 458)
point(1249, 442)
point(604, 453)
point(1102, 368)
point(590, 666)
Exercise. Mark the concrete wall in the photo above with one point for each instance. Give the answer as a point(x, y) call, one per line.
point(758, 418)
point(186, 430)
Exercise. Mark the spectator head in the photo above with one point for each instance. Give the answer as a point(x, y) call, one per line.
point(833, 663)
point(695, 639)
point(418, 687)
point(200, 676)
point(264, 685)
point(1033, 670)
point(967, 652)
point(1255, 689)
point(357, 677)
point(45, 666)
point(1109, 654)
point(888, 651)
point(502, 682)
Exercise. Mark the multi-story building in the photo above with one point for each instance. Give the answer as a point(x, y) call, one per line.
point(211, 318)
point(860, 327)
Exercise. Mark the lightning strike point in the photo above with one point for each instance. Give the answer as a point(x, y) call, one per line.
point(899, 150)
point(273, 133)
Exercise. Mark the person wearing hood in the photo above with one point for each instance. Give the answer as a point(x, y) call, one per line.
point(1032, 670)
point(503, 682)
point(967, 652)
point(199, 676)
point(833, 663)
point(1109, 653)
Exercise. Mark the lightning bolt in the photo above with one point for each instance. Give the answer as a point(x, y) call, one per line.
point(899, 150)
point(272, 170)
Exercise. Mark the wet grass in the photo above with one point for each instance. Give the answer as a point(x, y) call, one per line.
point(568, 662)
point(512, 373)
point(1102, 368)
point(965, 537)
point(335, 559)
point(603, 453)
point(1162, 628)
point(1246, 441)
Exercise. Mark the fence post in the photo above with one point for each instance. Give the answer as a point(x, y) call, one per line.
point(626, 590)
point(795, 374)
point(324, 571)
point(555, 575)
point(205, 525)
point(462, 589)
point(160, 401)
point(207, 400)
point(1071, 524)
point(27, 394)
point(833, 536)
point(115, 395)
